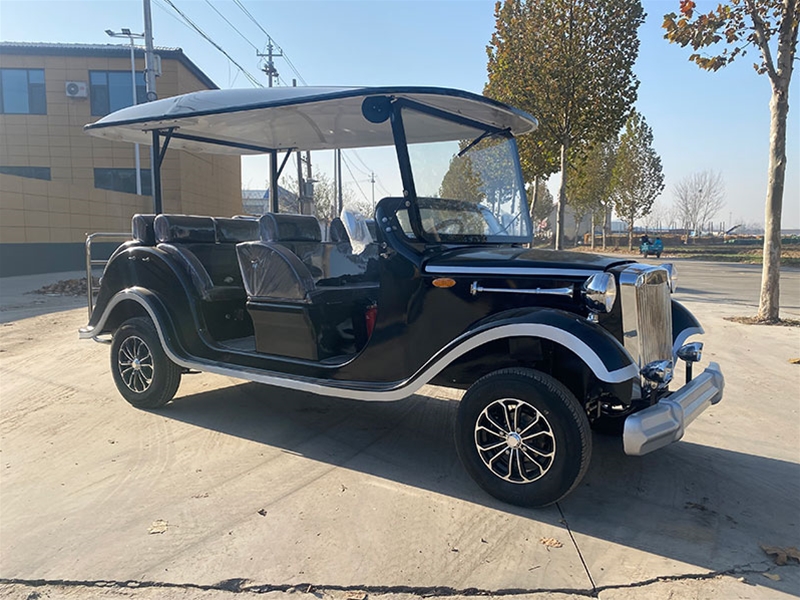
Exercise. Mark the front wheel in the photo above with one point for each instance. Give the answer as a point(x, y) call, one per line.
point(142, 372)
point(523, 437)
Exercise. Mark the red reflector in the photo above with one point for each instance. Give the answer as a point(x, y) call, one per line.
point(370, 316)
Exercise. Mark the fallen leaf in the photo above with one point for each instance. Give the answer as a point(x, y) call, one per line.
point(262, 512)
point(794, 361)
point(773, 576)
point(550, 542)
point(356, 596)
point(782, 555)
point(158, 526)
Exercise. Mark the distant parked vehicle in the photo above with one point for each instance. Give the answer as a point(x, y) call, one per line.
point(647, 248)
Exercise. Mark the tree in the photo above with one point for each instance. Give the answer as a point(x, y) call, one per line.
point(698, 198)
point(542, 203)
point(569, 63)
point(770, 26)
point(637, 179)
point(590, 189)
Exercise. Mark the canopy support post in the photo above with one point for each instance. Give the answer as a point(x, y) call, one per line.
point(157, 158)
point(273, 181)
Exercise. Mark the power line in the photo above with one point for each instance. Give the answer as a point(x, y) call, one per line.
point(171, 15)
point(271, 39)
point(224, 18)
point(194, 26)
point(354, 178)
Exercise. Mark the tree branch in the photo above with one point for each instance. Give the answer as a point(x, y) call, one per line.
point(763, 42)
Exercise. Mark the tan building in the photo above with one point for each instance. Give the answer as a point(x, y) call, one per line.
point(57, 184)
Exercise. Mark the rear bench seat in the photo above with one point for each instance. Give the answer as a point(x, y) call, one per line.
point(206, 248)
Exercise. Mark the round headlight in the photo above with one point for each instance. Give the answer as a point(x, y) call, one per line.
point(600, 292)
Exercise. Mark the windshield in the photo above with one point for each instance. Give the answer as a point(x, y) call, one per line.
point(468, 190)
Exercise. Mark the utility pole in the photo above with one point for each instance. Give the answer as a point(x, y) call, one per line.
point(269, 66)
point(372, 181)
point(150, 83)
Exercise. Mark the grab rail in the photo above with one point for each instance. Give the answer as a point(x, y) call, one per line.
point(106, 236)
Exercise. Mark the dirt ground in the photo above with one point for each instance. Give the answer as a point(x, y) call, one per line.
point(237, 490)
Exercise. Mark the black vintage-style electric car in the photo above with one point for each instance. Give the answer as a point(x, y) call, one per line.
point(439, 285)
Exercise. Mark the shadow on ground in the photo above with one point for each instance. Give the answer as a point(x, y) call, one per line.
point(690, 503)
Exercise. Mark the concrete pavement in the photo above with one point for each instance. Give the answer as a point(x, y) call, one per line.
point(269, 492)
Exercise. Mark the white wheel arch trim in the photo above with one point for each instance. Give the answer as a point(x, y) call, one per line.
point(398, 390)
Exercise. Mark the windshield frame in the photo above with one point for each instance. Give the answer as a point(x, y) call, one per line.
point(401, 107)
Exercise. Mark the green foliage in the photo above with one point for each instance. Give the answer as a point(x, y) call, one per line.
point(589, 189)
point(544, 205)
point(461, 182)
point(570, 64)
point(637, 178)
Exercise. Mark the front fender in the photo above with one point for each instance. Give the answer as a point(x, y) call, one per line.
point(684, 325)
point(597, 348)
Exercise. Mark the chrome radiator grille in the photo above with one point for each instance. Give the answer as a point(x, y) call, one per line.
point(646, 313)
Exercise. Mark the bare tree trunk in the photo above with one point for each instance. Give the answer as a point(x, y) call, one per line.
point(562, 199)
point(769, 303)
point(630, 235)
point(606, 219)
point(534, 202)
point(593, 216)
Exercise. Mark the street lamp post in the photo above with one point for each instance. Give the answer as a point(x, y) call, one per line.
point(126, 33)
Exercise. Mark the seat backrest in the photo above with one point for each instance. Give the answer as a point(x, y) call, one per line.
point(337, 232)
point(289, 228)
point(272, 272)
point(182, 229)
point(235, 231)
point(142, 229)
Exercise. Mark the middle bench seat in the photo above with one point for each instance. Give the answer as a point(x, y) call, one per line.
point(206, 248)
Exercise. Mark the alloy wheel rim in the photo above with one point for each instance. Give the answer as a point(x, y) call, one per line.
point(515, 441)
point(135, 364)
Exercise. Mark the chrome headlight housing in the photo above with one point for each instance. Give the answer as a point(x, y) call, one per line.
point(600, 292)
point(672, 276)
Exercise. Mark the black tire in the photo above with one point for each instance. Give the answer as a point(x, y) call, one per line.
point(658, 255)
point(560, 442)
point(142, 372)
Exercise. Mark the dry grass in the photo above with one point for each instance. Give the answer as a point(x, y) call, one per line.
point(757, 321)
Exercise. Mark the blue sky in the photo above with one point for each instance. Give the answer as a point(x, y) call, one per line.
point(700, 120)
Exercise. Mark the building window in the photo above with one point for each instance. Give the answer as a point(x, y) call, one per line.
point(29, 172)
point(121, 180)
point(22, 92)
point(111, 90)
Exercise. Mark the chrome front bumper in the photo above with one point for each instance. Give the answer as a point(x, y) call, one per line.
point(665, 422)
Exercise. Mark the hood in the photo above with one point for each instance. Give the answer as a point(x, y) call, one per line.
point(518, 261)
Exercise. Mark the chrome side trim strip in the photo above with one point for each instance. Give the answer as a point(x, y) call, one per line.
point(396, 390)
point(455, 270)
point(666, 421)
point(474, 289)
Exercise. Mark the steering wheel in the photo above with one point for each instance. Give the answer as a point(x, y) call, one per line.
point(450, 226)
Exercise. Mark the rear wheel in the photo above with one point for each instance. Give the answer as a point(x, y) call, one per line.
point(523, 437)
point(142, 372)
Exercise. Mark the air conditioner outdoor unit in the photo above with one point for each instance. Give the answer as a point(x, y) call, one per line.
point(77, 89)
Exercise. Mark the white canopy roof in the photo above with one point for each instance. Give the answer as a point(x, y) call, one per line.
point(302, 118)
